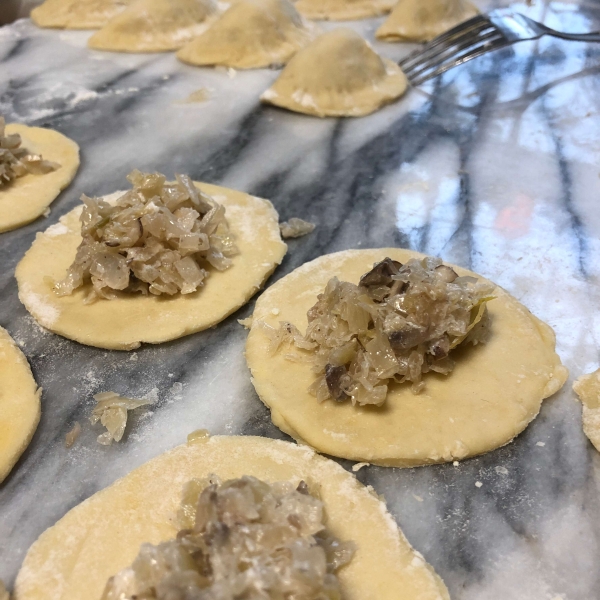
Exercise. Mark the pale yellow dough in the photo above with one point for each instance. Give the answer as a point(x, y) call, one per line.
point(344, 10)
point(19, 404)
point(587, 387)
point(338, 75)
point(251, 34)
point(28, 197)
point(494, 392)
point(155, 26)
point(126, 322)
point(77, 14)
point(422, 20)
point(74, 559)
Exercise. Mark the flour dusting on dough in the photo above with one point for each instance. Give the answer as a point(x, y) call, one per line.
point(56, 229)
point(45, 313)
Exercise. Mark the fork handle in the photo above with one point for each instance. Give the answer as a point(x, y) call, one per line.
point(576, 37)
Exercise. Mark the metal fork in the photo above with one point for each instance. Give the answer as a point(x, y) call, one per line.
point(477, 36)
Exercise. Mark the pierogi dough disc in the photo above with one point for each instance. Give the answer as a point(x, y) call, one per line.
point(19, 404)
point(250, 35)
point(494, 392)
point(421, 21)
point(27, 197)
point(337, 75)
point(343, 10)
point(126, 322)
point(77, 14)
point(587, 387)
point(74, 559)
point(155, 26)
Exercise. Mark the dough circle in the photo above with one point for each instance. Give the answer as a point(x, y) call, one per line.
point(343, 10)
point(126, 322)
point(494, 392)
point(252, 34)
point(337, 75)
point(19, 404)
point(420, 21)
point(587, 387)
point(74, 559)
point(77, 14)
point(27, 197)
point(155, 26)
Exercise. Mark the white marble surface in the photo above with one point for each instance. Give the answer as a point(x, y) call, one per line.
point(495, 167)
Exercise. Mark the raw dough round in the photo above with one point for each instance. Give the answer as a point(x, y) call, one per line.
point(494, 392)
point(337, 75)
point(77, 14)
point(419, 21)
point(27, 197)
point(587, 387)
point(19, 404)
point(250, 35)
point(155, 26)
point(126, 322)
point(344, 10)
point(74, 559)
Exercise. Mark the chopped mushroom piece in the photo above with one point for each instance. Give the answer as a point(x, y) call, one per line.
point(16, 161)
point(400, 322)
point(157, 238)
point(111, 411)
point(242, 538)
point(295, 228)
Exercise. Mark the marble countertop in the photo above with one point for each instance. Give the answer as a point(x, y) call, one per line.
point(494, 167)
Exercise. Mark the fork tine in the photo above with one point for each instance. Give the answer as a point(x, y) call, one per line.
point(431, 51)
point(466, 57)
point(458, 31)
point(452, 52)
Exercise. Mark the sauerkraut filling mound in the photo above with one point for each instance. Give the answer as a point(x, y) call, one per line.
point(16, 161)
point(398, 323)
point(157, 238)
point(242, 538)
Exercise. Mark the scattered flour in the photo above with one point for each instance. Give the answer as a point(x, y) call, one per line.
point(45, 313)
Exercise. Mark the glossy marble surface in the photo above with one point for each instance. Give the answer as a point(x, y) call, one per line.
point(495, 167)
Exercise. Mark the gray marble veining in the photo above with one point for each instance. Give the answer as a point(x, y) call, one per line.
point(495, 167)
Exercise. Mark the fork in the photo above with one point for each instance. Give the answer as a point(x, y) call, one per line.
point(477, 36)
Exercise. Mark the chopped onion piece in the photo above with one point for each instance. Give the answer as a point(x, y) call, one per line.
point(72, 436)
point(295, 228)
point(111, 410)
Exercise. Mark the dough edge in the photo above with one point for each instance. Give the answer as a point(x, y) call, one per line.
point(366, 101)
point(20, 383)
point(29, 196)
point(397, 573)
point(590, 409)
point(323, 440)
point(345, 12)
point(59, 314)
